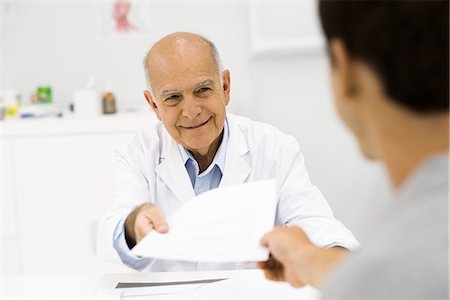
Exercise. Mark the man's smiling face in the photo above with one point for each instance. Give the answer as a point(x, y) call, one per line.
point(189, 95)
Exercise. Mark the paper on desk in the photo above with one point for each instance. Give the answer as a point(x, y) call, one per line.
point(221, 225)
point(135, 290)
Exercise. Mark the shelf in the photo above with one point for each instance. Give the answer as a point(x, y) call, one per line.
point(122, 122)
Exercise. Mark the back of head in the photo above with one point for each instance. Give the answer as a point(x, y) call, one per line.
point(405, 42)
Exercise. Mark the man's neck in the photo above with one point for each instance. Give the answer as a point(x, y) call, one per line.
point(205, 159)
point(411, 143)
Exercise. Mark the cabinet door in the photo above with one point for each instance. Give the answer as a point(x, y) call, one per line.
point(9, 238)
point(63, 186)
point(8, 213)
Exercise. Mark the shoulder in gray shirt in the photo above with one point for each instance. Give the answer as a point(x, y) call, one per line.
point(407, 256)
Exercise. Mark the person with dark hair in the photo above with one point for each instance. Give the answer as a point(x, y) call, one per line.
point(390, 76)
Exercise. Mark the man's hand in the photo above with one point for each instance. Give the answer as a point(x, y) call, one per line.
point(295, 259)
point(142, 220)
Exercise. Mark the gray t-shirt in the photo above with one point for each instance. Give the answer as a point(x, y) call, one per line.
point(407, 254)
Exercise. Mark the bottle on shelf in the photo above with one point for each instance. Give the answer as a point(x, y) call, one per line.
point(109, 101)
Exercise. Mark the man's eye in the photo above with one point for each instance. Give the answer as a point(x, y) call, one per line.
point(204, 90)
point(172, 100)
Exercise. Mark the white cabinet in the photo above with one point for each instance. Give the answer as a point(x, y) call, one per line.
point(10, 263)
point(57, 181)
point(8, 205)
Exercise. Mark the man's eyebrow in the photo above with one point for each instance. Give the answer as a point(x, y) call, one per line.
point(206, 82)
point(169, 92)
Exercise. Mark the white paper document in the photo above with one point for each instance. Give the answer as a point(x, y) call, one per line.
point(221, 225)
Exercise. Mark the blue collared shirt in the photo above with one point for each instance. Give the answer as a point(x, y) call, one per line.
point(210, 178)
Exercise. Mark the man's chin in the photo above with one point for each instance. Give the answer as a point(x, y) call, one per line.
point(198, 148)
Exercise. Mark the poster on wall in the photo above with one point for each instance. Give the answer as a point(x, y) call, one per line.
point(124, 18)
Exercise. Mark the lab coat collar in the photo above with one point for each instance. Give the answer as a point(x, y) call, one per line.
point(171, 169)
point(236, 168)
point(173, 172)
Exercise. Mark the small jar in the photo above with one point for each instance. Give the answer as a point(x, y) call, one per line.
point(109, 103)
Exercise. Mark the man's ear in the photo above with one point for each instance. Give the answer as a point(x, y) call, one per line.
point(344, 69)
point(226, 85)
point(152, 103)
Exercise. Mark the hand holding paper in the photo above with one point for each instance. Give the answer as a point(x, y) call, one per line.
point(221, 225)
point(142, 220)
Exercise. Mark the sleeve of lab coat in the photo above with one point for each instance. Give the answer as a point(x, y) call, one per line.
point(302, 204)
point(130, 191)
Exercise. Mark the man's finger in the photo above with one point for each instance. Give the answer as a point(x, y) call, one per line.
point(274, 275)
point(157, 219)
point(261, 265)
point(270, 236)
point(142, 229)
point(150, 217)
point(264, 241)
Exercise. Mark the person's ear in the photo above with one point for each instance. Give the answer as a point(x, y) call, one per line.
point(226, 85)
point(148, 96)
point(343, 67)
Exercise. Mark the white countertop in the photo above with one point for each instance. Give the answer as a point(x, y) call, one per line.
point(241, 284)
point(72, 125)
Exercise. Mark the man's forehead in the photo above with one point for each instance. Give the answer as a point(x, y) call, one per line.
point(181, 77)
point(170, 64)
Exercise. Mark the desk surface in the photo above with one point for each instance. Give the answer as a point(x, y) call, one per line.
point(242, 284)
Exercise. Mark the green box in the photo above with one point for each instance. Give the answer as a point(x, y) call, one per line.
point(44, 94)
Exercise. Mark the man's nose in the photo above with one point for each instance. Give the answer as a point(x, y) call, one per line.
point(191, 108)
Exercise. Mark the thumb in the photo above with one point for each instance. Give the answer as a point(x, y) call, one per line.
point(159, 221)
point(264, 241)
point(162, 228)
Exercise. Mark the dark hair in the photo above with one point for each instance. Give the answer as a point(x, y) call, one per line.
point(405, 42)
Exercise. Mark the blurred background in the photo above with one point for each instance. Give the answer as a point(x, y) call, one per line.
point(72, 86)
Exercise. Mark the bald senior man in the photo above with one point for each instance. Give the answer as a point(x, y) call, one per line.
point(198, 146)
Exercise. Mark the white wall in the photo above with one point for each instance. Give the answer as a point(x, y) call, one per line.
point(294, 94)
point(58, 43)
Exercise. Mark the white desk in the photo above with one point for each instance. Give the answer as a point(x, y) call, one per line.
point(243, 284)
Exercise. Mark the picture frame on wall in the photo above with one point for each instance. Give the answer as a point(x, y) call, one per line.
point(124, 18)
point(284, 28)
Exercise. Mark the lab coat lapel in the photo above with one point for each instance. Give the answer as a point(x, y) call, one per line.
point(172, 170)
point(236, 168)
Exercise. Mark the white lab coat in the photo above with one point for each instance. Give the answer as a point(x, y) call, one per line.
point(150, 169)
